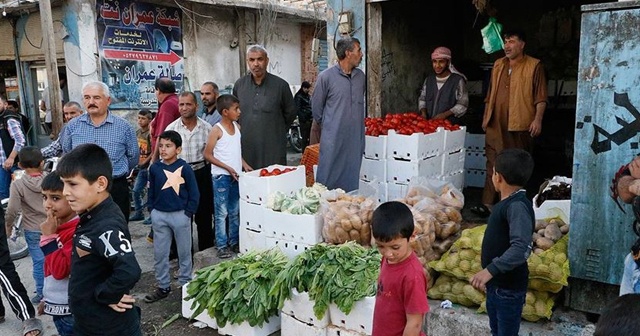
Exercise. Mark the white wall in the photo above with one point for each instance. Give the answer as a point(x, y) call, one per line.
point(285, 55)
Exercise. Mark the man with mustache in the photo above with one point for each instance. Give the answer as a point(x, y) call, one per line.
point(209, 93)
point(267, 111)
point(12, 140)
point(114, 134)
point(70, 110)
point(516, 101)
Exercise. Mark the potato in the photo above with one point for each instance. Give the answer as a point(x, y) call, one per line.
point(530, 299)
point(354, 235)
point(538, 250)
point(448, 229)
point(452, 261)
point(440, 216)
point(345, 224)
point(557, 221)
point(560, 258)
point(535, 236)
point(465, 242)
point(356, 222)
point(564, 229)
point(544, 243)
point(341, 235)
point(465, 265)
point(426, 243)
point(541, 308)
point(453, 214)
point(442, 246)
point(365, 234)
point(542, 269)
point(541, 232)
point(437, 228)
point(541, 224)
point(552, 231)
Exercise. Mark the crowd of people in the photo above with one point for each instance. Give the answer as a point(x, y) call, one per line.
point(189, 158)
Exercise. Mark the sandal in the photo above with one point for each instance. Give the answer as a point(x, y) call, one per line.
point(32, 327)
point(481, 210)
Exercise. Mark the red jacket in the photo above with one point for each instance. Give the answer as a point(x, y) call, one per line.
point(58, 262)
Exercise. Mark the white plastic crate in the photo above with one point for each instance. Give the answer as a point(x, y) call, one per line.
point(256, 189)
point(401, 172)
point(251, 215)
point(454, 140)
point(474, 142)
point(375, 147)
point(301, 308)
point(475, 177)
point(553, 208)
point(475, 160)
point(290, 326)
point(455, 178)
point(360, 319)
point(305, 229)
point(416, 146)
point(251, 240)
point(290, 249)
point(373, 169)
point(453, 162)
point(381, 187)
point(244, 329)
point(337, 331)
point(396, 191)
point(202, 317)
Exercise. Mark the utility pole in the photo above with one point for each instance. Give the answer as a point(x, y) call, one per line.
point(51, 64)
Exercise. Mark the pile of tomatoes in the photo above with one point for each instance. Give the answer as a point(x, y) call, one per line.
point(406, 124)
point(274, 171)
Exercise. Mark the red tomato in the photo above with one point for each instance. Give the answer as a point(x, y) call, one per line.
point(276, 172)
point(264, 172)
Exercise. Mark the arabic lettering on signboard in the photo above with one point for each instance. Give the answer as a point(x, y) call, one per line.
point(140, 42)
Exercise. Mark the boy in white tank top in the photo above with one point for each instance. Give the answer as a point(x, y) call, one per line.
point(224, 152)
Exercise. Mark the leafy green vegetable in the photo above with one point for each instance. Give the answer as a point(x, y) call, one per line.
point(236, 291)
point(305, 201)
point(340, 274)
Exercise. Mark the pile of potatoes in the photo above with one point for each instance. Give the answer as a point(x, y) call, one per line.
point(551, 266)
point(456, 291)
point(348, 218)
point(547, 232)
point(538, 305)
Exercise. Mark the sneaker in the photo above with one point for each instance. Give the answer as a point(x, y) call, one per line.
point(235, 248)
point(36, 299)
point(158, 294)
point(224, 253)
point(136, 216)
point(147, 221)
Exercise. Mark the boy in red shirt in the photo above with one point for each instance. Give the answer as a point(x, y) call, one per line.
point(401, 301)
point(56, 243)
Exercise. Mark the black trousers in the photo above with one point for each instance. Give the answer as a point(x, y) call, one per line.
point(204, 215)
point(10, 282)
point(120, 195)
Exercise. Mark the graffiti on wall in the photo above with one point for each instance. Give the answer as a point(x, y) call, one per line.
point(139, 42)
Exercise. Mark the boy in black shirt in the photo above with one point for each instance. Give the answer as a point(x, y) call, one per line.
point(507, 243)
point(103, 265)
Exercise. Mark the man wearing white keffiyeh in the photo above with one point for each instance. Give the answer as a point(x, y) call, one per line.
point(444, 94)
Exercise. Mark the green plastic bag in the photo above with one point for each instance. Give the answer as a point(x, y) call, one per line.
point(491, 37)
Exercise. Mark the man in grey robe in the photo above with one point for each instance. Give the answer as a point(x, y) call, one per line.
point(338, 107)
point(267, 109)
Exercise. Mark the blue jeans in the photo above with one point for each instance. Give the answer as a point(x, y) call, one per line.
point(5, 181)
point(138, 187)
point(630, 283)
point(226, 196)
point(64, 324)
point(504, 307)
point(33, 242)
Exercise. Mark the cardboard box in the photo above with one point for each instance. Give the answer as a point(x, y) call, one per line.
point(251, 240)
point(305, 229)
point(300, 307)
point(375, 147)
point(244, 329)
point(454, 140)
point(372, 169)
point(255, 189)
point(401, 172)
point(417, 146)
point(202, 317)
point(251, 215)
point(360, 319)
